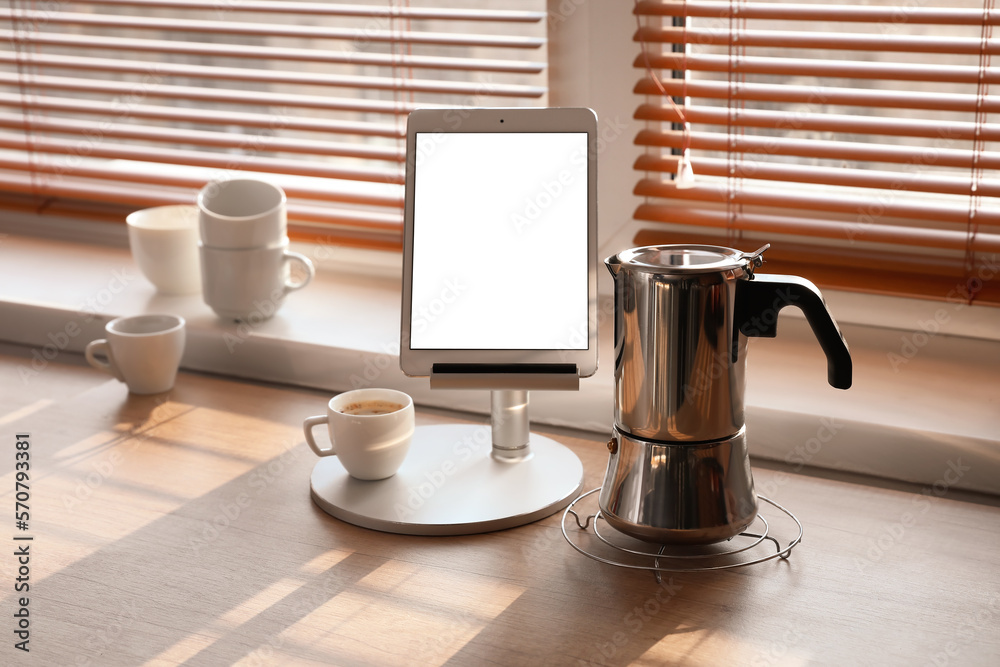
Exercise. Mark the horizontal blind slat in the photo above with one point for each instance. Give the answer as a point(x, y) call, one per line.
point(833, 201)
point(820, 122)
point(328, 9)
point(389, 222)
point(818, 67)
point(227, 27)
point(796, 39)
point(156, 70)
point(723, 9)
point(260, 52)
point(804, 252)
point(331, 191)
point(223, 161)
point(129, 90)
point(116, 109)
point(817, 148)
point(100, 130)
point(152, 196)
point(876, 272)
point(895, 182)
point(788, 93)
point(811, 227)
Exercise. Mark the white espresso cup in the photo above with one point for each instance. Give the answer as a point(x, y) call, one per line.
point(250, 284)
point(370, 431)
point(142, 351)
point(164, 243)
point(242, 213)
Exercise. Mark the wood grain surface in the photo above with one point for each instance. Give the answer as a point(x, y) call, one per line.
point(178, 529)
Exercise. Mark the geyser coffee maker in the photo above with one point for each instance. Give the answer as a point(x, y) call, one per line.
point(679, 471)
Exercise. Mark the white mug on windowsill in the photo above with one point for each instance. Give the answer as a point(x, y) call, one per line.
point(250, 284)
point(242, 213)
point(164, 244)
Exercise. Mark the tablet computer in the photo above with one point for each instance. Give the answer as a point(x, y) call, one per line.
point(500, 243)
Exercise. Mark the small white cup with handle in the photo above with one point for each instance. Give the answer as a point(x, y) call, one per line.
point(164, 243)
point(370, 431)
point(251, 283)
point(143, 351)
point(242, 213)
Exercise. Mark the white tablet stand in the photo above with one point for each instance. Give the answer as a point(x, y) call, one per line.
point(498, 191)
point(460, 479)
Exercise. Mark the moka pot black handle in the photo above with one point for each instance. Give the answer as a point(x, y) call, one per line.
point(758, 301)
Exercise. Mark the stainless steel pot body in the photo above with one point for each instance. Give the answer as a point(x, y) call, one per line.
point(678, 493)
point(676, 375)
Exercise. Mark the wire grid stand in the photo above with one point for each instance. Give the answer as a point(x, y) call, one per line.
point(677, 558)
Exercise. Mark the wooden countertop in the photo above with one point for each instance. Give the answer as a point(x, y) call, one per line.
point(179, 530)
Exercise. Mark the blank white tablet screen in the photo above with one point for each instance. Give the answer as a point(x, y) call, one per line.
point(500, 256)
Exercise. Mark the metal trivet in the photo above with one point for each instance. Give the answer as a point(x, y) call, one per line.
point(624, 551)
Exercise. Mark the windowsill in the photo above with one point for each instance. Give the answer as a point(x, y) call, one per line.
point(939, 405)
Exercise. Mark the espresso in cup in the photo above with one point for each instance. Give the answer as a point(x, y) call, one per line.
point(370, 408)
point(370, 431)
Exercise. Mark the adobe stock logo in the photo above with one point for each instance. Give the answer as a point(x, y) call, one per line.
point(61, 339)
point(536, 205)
point(425, 314)
point(480, 440)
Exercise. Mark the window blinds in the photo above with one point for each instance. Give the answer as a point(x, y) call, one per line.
point(140, 102)
point(855, 137)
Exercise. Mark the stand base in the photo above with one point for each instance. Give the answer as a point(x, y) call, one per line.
point(449, 484)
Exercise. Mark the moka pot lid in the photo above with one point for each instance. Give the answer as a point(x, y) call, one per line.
point(685, 259)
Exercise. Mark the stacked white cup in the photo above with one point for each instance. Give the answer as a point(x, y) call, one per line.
point(245, 260)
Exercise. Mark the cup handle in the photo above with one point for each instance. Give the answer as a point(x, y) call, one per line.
point(306, 263)
point(100, 346)
point(307, 428)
